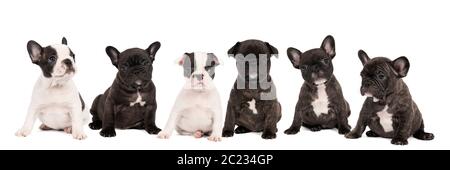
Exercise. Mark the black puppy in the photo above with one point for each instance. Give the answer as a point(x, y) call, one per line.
point(321, 104)
point(253, 104)
point(130, 101)
point(389, 110)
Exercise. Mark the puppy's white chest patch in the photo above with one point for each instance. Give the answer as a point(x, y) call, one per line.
point(385, 119)
point(252, 106)
point(320, 105)
point(138, 100)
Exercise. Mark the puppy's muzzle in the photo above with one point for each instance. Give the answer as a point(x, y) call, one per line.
point(69, 66)
point(199, 77)
point(138, 84)
point(364, 87)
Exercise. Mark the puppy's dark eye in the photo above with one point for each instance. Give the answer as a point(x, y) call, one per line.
point(326, 61)
point(145, 63)
point(124, 67)
point(208, 67)
point(52, 59)
point(381, 76)
point(303, 67)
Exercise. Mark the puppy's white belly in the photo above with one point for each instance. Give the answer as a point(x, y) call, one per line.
point(55, 117)
point(320, 105)
point(194, 119)
point(385, 119)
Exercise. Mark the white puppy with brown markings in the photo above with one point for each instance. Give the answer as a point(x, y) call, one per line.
point(197, 110)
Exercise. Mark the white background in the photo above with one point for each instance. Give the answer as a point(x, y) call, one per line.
point(416, 29)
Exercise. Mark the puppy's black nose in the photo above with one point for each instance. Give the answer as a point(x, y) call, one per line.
point(198, 76)
point(67, 62)
point(362, 91)
point(138, 82)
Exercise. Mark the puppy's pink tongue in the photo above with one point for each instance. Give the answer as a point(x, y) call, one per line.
point(198, 134)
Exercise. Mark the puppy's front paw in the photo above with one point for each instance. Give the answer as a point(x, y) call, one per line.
point(79, 135)
point(398, 141)
point(268, 135)
point(110, 132)
point(343, 130)
point(215, 138)
point(292, 130)
point(352, 135)
point(153, 131)
point(96, 125)
point(164, 135)
point(227, 133)
point(23, 132)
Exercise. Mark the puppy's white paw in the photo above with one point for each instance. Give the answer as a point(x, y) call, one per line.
point(215, 138)
point(163, 135)
point(68, 130)
point(23, 132)
point(79, 135)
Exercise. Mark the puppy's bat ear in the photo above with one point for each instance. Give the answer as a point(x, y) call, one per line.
point(401, 66)
point(113, 54)
point(273, 50)
point(34, 50)
point(182, 60)
point(363, 57)
point(212, 60)
point(64, 41)
point(153, 48)
point(294, 56)
point(187, 61)
point(328, 46)
point(233, 50)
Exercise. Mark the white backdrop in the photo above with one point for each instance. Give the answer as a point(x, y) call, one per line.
point(416, 29)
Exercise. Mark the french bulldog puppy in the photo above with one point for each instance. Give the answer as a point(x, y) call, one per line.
point(197, 110)
point(321, 104)
point(130, 101)
point(389, 109)
point(55, 99)
point(253, 104)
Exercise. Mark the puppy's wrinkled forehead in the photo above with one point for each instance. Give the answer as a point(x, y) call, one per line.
point(377, 64)
point(313, 56)
point(198, 62)
point(254, 47)
point(134, 56)
point(61, 50)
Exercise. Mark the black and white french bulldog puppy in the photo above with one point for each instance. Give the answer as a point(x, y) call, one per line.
point(389, 109)
point(253, 104)
point(321, 104)
point(130, 101)
point(197, 110)
point(55, 99)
